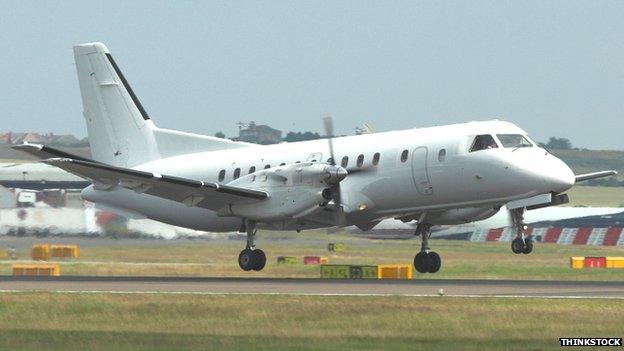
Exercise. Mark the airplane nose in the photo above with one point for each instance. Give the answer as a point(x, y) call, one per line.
point(558, 177)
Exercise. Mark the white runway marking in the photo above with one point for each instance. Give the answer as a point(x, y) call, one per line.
point(317, 287)
point(311, 294)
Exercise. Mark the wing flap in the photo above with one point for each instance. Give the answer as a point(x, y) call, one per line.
point(190, 192)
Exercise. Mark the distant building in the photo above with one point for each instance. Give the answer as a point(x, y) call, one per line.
point(36, 138)
point(5, 138)
point(258, 133)
point(63, 139)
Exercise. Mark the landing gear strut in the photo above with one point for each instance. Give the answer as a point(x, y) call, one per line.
point(426, 261)
point(251, 258)
point(520, 244)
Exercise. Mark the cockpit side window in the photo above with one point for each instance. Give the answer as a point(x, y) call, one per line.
point(514, 140)
point(483, 142)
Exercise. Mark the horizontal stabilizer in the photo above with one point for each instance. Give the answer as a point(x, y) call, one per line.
point(44, 152)
point(594, 175)
point(190, 192)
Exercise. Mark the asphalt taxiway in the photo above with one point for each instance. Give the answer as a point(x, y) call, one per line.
point(414, 287)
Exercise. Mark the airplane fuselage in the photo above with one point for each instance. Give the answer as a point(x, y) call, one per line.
point(391, 174)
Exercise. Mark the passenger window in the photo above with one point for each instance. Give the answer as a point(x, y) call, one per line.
point(376, 158)
point(221, 175)
point(442, 155)
point(483, 142)
point(252, 169)
point(283, 164)
point(360, 161)
point(236, 173)
point(267, 166)
point(345, 162)
point(404, 155)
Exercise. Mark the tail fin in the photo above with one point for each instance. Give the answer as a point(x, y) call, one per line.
point(120, 131)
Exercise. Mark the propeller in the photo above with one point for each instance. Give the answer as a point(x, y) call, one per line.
point(335, 188)
point(336, 193)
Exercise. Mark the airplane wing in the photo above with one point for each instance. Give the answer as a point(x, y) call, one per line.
point(190, 192)
point(594, 175)
point(44, 152)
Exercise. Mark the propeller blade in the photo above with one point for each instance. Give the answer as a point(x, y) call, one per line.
point(329, 132)
point(341, 218)
point(336, 191)
point(363, 169)
point(336, 195)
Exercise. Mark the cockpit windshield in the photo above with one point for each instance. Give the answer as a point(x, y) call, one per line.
point(483, 142)
point(513, 140)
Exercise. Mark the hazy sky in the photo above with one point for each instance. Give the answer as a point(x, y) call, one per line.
point(552, 67)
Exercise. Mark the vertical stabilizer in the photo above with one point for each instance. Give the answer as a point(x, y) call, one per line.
point(120, 130)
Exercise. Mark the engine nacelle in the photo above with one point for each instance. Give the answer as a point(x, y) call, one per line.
point(294, 190)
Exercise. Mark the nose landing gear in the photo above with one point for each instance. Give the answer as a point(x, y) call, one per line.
point(251, 258)
point(520, 244)
point(426, 261)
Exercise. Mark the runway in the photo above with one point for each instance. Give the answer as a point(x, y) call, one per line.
point(286, 286)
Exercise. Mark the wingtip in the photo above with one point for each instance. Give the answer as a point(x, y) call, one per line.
point(27, 146)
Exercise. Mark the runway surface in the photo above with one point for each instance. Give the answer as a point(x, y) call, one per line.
point(414, 287)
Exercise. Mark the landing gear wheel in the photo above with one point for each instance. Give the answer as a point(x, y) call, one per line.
point(427, 262)
point(517, 246)
point(247, 260)
point(435, 262)
point(421, 262)
point(528, 245)
point(251, 258)
point(520, 244)
point(259, 259)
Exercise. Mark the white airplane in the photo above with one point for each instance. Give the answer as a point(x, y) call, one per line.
point(439, 175)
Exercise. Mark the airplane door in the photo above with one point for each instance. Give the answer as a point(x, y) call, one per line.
point(315, 157)
point(420, 173)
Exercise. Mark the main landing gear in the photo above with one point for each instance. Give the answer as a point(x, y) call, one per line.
point(426, 261)
point(251, 258)
point(520, 244)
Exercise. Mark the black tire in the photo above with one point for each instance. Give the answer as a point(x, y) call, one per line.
point(528, 246)
point(517, 246)
point(421, 262)
point(259, 260)
point(246, 260)
point(435, 262)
